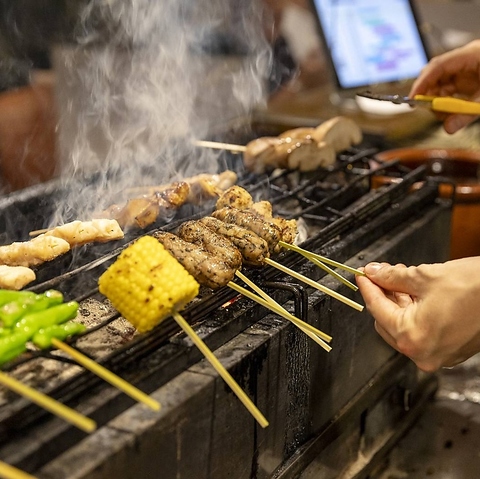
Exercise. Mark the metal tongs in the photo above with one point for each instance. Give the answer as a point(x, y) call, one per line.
point(444, 104)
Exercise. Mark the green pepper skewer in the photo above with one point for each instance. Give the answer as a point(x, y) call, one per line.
point(58, 314)
point(43, 337)
point(12, 311)
point(7, 296)
point(12, 346)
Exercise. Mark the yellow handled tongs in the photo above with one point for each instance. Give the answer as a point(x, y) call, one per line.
point(444, 104)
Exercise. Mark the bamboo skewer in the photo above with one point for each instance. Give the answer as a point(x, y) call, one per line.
point(220, 146)
point(315, 336)
point(73, 417)
point(323, 259)
point(279, 310)
point(217, 365)
point(107, 375)
point(10, 472)
point(315, 285)
point(331, 272)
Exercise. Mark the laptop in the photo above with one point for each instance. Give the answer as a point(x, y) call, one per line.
point(374, 45)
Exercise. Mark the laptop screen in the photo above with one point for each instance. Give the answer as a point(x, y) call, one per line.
point(371, 42)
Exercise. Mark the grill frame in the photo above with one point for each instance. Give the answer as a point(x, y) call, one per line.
point(374, 214)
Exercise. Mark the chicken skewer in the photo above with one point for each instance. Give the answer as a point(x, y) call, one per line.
point(196, 232)
point(16, 259)
point(209, 271)
point(238, 198)
point(238, 217)
point(162, 200)
point(305, 149)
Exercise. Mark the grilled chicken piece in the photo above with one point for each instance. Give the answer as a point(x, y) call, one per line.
point(177, 194)
point(143, 211)
point(201, 187)
point(288, 228)
point(254, 249)
point(309, 155)
point(15, 277)
point(78, 233)
point(304, 154)
point(262, 227)
point(265, 153)
point(339, 132)
point(34, 252)
point(206, 187)
point(207, 269)
point(138, 212)
point(235, 197)
point(263, 208)
point(216, 244)
point(298, 133)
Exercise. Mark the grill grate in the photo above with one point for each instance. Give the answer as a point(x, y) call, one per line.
point(330, 204)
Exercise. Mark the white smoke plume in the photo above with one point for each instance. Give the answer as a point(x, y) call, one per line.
point(144, 78)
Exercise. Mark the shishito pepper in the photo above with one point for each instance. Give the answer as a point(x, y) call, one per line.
point(7, 296)
point(43, 337)
point(58, 314)
point(12, 346)
point(12, 311)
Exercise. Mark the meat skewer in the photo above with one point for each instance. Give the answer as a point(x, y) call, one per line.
point(15, 277)
point(267, 230)
point(305, 149)
point(17, 258)
point(162, 200)
point(238, 197)
point(253, 249)
point(207, 269)
point(188, 254)
point(197, 233)
point(33, 252)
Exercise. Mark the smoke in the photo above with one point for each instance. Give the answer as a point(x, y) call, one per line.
point(143, 79)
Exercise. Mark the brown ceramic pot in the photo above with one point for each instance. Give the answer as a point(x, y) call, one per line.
point(460, 166)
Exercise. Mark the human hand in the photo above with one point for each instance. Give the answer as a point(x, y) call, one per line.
point(455, 73)
point(430, 313)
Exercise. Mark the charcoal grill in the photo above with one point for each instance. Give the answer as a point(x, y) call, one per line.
point(328, 409)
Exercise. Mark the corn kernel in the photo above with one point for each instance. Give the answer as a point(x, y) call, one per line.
point(146, 283)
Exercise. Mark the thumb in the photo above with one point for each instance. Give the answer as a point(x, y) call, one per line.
point(391, 278)
point(453, 123)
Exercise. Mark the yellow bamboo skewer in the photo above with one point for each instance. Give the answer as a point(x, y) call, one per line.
point(217, 365)
point(314, 336)
point(107, 375)
point(10, 472)
point(331, 272)
point(220, 146)
point(278, 310)
point(73, 417)
point(315, 285)
point(323, 259)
